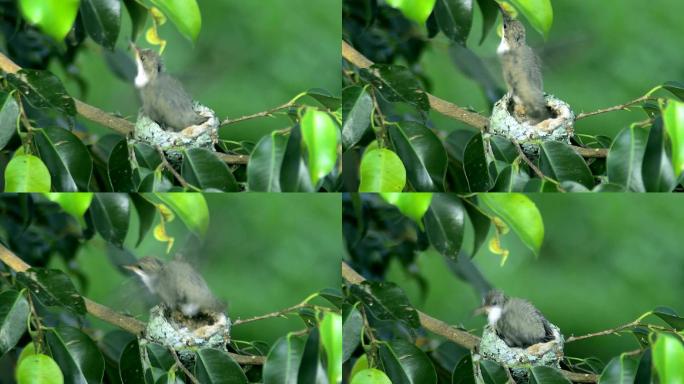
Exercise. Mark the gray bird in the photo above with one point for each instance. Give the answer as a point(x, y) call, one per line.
point(516, 321)
point(521, 71)
point(178, 285)
point(163, 98)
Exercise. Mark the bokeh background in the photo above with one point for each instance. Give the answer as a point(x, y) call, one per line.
point(262, 253)
point(598, 54)
point(250, 56)
point(605, 260)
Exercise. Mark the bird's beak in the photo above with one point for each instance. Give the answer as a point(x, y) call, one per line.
point(135, 49)
point(481, 310)
point(129, 267)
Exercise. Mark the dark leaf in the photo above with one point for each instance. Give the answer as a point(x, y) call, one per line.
point(547, 375)
point(110, 213)
point(119, 172)
point(66, 157)
point(310, 364)
point(294, 174)
point(146, 156)
point(386, 301)
point(644, 372)
point(282, 362)
point(475, 165)
point(503, 149)
point(9, 115)
point(352, 325)
point(445, 223)
point(620, 370)
point(77, 355)
point(204, 170)
point(214, 366)
point(511, 179)
point(356, 114)
point(146, 215)
point(138, 15)
point(159, 356)
point(493, 373)
point(490, 11)
point(657, 168)
point(422, 153)
point(454, 18)
point(14, 312)
point(130, 364)
point(102, 20)
point(326, 98)
point(42, 90)
point(561, 163)
point(676, 87)
point(480, 223)
point(263, 170)
point(404, 363)
point(397, 84)
point(463, 373)
point(671, 317)
point(333, 295)
point(625, 158)
point(53, 288)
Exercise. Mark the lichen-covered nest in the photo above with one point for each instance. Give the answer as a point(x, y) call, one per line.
point(557, 128)
point(172, 143)
point(518, 359)
point(186, 335)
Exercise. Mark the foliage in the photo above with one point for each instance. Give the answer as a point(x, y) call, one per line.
point(389, 109)
point(61, 342)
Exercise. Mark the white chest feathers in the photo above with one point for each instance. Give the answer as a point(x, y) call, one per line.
point(503, 47)
point(141, 79)
point(493, 315)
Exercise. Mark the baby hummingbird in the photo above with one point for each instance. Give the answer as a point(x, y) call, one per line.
point(517, 322)
point(163, 98)
point(178, 285)
point(521, 71)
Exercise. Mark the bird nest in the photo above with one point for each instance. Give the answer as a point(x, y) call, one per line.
point(519, 360)
point(173, 143)
point(186, 335)
point(559, 127)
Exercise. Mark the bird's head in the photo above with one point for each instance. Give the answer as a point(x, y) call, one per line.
point(492, 306)
point(149, 65)
point(513, 29)
point(147, 269)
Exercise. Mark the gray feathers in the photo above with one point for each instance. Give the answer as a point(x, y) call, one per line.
point(521, 324)
point(181, 287)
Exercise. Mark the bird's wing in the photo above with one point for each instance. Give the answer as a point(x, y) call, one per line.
point(521, 323)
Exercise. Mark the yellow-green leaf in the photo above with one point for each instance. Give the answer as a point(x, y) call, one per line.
point(382, 171)
point(53, 17)
point(412, 205)
point(27, 173)
point(538, 12)
point(371, 376)
point(185, 14)
point(673, 117)
point(321, 137)
point(520, 213)
point(74, 203)
point(190, 207)
point(416, 10)
point(39, 369)
point(668, 359)
point(331, 338)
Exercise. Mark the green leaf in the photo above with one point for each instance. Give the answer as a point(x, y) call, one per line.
point(321, 137)
point(282, 362)
point(397, 84)
point(66, 157)
point(370, 376)
point(138, 15)
point(416, 10)
point(480, 223)
point(405, 363)
point(146, 215)
point(676, 88)
point(538, 12)
point(214, 366)
point(9, 116)
point(620, 370)
point(185, 14)
point(445, 224)
point(489, 14)
point(53, 288)
point(191, 208)
point(521, 214)
point(673, 117)
point(130, 365)
point(671, 317)
point(412, 205)
point(454, 18)
point(76, 354)
point(26, 173)
point(492, 373)
point(352, 326)
point(475, 165)
point(561, 163)
point(386, 301)
point(119, 172)
point(422, 153)
point(657, 170)
point(53, 17)
point(357, 109)
point(463, 372)
point(75, 204)
point(146, 156)
point(110, 213)
point(625, 158)
point(14, 312)
point(102, 20)
point(294, 175)
point(331, 338)
point(511, 179)
point(160, 356)
point(547, 375)
point(668, 355)
point(325, 98)
point(204, 170)
point(382, 171)
point(42, 90)
point(263, 169)
point(310, 366)
point(39, 369)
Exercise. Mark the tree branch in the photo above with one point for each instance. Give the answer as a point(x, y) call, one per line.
point(620, 107)
point(451, 110)
point(109, 315)
point(258, 114)
point(458, 336)
point(280, 313)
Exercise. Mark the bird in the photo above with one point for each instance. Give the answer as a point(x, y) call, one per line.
point(163, 98)
point(521, 71)
point(516, 321)
point(179, 286)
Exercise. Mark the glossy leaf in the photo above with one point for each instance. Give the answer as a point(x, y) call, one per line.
point(657, 170)
point(547, 375)
point(676, 88)
point(386, 301)
point(463, 372)
point(77, 355)
point(42, 90)
point(119, 172)
point(352, 326)
point(9, 115)
point(294, 175)
point(620, 370)
point(561, 163)
point(422, 153)
point(382, 171)
point(130, 365)
point(511, 179)
point(53, 17)
point(492, 373)
point(539, 13)
point(110, 213)
point(147, 213)
point(405, 363)
point(213, 366)
point(480, 223)
point(454, 18)
point(357, 109)
point(66, 157)
point(191, 208)
point(475, 165)
point(668, 358)
point(325, 98)
point(331, 338)
point(416, 10)
point(445, 224)
point(204, 170)
point(521, 214)
point(320, 135)
point(489, 12)
point(625, 158)
point(102, 20)
point(39, 369)
point(53, 288)
point(412, 205)
point(263, 169)
point(370, 376)
point(138, 15)
point(397, 84)
point(146, 156)
point(185, 15)
point(160, 356)
point(14, 312)
point(75, 204)
point(310, 366)
point(673, 117)
point(282, 362)
point(671, 317)
point(26, 173)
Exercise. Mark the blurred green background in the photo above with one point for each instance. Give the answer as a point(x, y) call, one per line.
point(606, 259)
point(262, 253)
point(250, 56)
point(598, 54)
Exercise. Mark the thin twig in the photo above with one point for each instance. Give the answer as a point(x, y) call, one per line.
point(611, 331)
point(280, 313)
point(182, 367)
point(270, 112)
point(529, 162)
point(170, 168)
point(620, 107)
